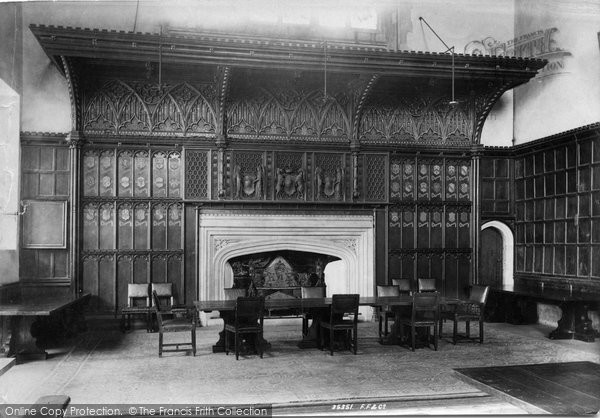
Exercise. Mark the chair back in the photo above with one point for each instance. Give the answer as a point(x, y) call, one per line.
point(137, 291)
point(344, 304)
point(164, 290)
point(308, 292)
point(233, 294)
point(249, 310)
point(402, 284)
point(479, 294)
point(426, 285)
point(157, 309)
point(426, 306)
point(383, 291)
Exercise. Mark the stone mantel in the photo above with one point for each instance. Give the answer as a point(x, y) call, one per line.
point(222, 236)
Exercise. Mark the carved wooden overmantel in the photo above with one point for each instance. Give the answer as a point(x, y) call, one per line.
point(162, 123)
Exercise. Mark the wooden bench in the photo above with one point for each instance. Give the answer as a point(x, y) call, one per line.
point(574, 322)
point(24, 314)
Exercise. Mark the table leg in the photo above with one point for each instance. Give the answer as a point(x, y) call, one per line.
point(219, 347)
point(23, 344)
point(311, 339)
point(574, 323)
point(394, 337)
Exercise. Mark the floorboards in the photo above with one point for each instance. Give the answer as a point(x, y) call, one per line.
point(571, 388)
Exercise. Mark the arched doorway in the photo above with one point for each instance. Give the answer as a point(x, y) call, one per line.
point(496, 254)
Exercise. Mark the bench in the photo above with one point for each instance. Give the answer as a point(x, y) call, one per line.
point(574, 305)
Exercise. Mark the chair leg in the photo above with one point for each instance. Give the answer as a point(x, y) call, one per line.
point(454, 331)
point(321, 337)
point(237, 346)
point(304, 326)
point(355, 343)
point(160, 344)
point(385, 328)
point(441, 326)
point(412, 337)
point(481, 331)
point(331, 335)
point(468, 329)
point(380, 329)
point(435, 337)
point(226, 342)
point(194, 341)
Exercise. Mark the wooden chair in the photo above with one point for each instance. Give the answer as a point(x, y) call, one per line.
point(249, 319)
point(426, 285)
point(403, 285)
point(138, 303)
point(233, 294)
point(384, 312)
point(164, 291)
point(470, 310)
point(340, 306)
point(425, 313)
point(308, 292)
point(176, 324)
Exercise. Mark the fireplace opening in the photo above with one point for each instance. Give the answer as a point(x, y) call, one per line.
point(280, 274)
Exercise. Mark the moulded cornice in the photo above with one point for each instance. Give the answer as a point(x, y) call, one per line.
point(252, 52)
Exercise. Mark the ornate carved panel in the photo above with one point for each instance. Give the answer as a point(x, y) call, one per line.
point(375, 177)
point(125, 174)
point(287, 108)
point(121, 107)
point(142, 174)
point(248, 176)
point(330, 177)
point(197, 176)
point(290, 176)
point(416, 120)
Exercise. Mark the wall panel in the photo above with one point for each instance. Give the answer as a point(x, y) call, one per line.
point(560, 180)
point(45, 174)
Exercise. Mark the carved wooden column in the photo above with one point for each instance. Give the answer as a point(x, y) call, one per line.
point(224, 75)
point(475, 230)
point(75, 140)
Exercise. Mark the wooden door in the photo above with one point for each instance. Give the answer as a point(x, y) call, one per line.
point(490, 258)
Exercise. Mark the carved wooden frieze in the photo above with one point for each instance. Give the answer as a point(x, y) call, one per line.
point(292, 106)
point(416, 120)
point(140, 108)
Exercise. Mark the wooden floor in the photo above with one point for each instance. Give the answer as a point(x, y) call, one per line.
point(557, 388)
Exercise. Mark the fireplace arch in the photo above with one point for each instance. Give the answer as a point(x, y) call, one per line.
point(225, 235)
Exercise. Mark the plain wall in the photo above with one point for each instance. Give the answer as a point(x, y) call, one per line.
point(566, 95)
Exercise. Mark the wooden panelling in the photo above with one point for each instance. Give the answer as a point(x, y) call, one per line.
point(429, 221)
point(45, 174)
point(133, 221)
point(496, 183)
point(557, 201)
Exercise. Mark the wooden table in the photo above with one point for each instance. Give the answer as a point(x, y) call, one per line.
point(318, 307)
point(23, 344)
point(574, 322)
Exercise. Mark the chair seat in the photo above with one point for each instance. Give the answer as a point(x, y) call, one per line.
point(243, 328)
point(344, 324)
point(466, 317)
point(177, 324)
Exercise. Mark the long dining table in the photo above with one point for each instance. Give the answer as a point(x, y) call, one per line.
point(318, 307)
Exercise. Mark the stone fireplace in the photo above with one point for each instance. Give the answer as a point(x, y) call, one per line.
point(227, 235)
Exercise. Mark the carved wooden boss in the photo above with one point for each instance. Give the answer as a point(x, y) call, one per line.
point(262, 121)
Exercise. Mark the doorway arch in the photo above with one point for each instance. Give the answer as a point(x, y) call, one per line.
point(508, 245)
